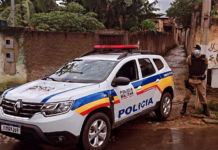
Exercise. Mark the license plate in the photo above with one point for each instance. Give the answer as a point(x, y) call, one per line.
point(10, 128)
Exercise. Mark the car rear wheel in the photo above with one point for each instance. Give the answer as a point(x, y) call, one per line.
point(96, 132)
point(164, 110)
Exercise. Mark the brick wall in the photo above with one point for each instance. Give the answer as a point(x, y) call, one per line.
point(158, 42)
point(45, 52)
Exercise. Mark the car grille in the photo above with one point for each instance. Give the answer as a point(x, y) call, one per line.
point(28, 110)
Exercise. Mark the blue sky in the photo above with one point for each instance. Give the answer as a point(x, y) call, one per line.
point(163, 5)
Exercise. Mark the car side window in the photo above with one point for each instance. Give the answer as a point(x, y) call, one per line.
point(158, 63)
point(146, 67)
point(128, 70)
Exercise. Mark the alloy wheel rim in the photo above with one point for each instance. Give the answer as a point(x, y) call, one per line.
point(166, 105)
point(97, 133)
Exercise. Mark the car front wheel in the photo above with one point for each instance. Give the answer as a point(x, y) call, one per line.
point(96, 132)
point(164, 110)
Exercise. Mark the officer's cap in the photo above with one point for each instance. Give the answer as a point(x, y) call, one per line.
point(197, 47)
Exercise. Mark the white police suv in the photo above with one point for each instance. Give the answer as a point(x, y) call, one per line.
point(83, 100)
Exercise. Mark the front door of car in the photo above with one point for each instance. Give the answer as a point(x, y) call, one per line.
point(125, 95)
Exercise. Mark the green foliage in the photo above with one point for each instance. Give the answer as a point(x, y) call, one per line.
point(130, 22)
point(74, 8)
point(23, 12)
point(45, 5)
point(65, 21)
point(89, 4)
point(40, 5)
point(181, 11)
point(119, 13)
point(148, 25)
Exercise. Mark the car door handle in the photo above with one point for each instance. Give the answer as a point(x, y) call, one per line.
point(139, 88)
point(157, 81)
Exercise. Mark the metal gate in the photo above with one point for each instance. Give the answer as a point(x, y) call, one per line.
point(111, 39)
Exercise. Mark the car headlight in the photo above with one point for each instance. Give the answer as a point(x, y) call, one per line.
point(52, 109)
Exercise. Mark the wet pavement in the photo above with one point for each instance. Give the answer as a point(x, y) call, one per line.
point(140, 139)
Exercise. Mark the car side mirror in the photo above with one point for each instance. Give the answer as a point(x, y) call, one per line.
point(120, 81)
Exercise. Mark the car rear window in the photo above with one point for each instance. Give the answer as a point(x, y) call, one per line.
point(159, 64)
point(146, 67)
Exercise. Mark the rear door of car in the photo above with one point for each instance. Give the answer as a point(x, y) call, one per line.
point(148, 87)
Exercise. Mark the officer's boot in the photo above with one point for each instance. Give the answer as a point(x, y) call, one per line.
point(206, 112)
point(183, 111)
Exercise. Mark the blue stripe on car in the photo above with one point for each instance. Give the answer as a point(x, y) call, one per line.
point(145, 81)
point(88, 99)
point(151, 79)
point(49, 97)
point(4, 95)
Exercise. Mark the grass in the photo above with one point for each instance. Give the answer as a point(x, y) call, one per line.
point(11, 83)
point(215, 113)
point(212, 106)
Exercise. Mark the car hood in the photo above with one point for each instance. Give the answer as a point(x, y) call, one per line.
point(42, 91)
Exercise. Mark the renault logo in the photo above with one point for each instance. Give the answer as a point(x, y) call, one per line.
point(18, 106)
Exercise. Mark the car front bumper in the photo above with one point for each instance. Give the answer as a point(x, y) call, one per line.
point(59, 130)
point(31, 133)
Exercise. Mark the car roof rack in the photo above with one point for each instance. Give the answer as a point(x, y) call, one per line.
point(124, 49)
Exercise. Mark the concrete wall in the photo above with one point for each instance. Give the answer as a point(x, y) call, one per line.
point(40, 53)
point(213, 45)
point(158, 42)
point(12, 74)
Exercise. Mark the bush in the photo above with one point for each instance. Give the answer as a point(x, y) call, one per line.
point(148, 25)
point(74, 8)
point(65, 21)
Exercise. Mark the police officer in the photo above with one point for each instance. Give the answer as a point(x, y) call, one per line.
point(197, 64)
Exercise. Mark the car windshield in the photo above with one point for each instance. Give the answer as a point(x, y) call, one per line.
point(83, 71)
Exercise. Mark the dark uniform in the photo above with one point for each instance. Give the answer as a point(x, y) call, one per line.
point(197, 65)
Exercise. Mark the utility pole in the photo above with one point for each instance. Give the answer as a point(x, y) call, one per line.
point(205, 32)
point(12, 13)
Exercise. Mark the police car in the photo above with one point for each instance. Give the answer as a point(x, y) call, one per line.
point(83, 100)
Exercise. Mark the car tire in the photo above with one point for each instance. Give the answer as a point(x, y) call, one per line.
point(165, 107)
point(96, 132)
